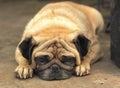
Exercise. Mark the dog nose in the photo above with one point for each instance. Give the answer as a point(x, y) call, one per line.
point(55, 68)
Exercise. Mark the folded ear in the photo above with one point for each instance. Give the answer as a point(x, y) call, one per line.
point(82, 44)
point(26, 48)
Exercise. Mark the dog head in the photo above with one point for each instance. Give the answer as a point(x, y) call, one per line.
point(55, 58)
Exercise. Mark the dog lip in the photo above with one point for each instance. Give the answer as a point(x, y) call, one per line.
point(53, 78)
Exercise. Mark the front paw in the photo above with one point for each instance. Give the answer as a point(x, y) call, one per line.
point(83, 69)
point(24, 72)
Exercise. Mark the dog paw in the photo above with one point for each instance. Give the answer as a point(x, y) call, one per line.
point(24, 72)
point(83, 69)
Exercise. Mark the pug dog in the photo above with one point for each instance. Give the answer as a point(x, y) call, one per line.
point(61, 40)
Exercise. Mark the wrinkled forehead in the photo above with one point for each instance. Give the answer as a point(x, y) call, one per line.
point(54, 50)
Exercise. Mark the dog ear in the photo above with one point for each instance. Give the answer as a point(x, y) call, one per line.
point(26, 48)
point(82, 43)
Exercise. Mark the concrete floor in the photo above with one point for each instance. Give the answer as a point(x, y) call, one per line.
point(13, 18)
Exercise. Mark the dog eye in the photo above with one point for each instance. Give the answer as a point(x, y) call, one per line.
point(41, 60)
point(68, 60)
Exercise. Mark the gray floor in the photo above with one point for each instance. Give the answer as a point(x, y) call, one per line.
point(13, 18)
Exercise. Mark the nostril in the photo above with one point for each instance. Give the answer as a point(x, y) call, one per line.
point(55, 68)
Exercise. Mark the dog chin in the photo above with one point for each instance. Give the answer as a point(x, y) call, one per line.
point(47, 75)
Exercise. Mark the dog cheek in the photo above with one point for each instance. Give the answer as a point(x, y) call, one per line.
point(66, 74)
point(45, 74)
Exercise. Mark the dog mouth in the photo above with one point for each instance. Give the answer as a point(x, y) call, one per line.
point(50, 75)
point(53, 77)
